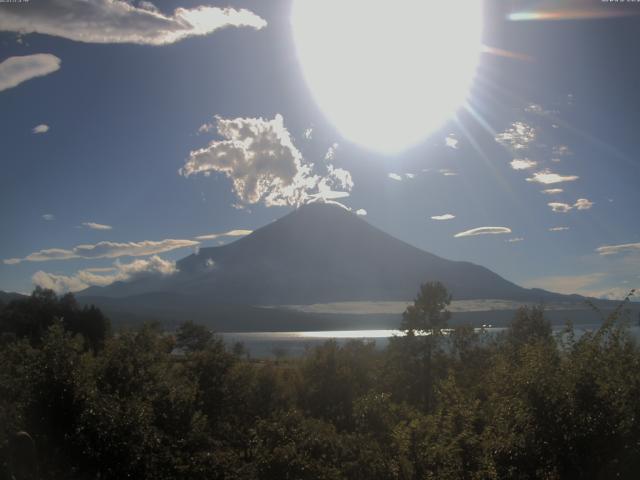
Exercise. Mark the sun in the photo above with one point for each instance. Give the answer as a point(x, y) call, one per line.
point(388, 73)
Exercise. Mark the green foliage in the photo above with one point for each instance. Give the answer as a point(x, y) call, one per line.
point(529, 325)
point(192, 337)
point(454, 404)
point(30, 318)
point(429, 313)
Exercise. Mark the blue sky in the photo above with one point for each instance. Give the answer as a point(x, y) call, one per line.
point(132, 127)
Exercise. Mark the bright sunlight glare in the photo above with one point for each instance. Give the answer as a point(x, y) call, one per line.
point(388, 73)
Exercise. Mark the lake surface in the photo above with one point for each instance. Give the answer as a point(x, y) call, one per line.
point(295, 344)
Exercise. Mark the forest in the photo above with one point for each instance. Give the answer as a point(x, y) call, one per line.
point(441, 403)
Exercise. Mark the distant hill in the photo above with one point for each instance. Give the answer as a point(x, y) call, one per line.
point(316, 254)
point(6, 297)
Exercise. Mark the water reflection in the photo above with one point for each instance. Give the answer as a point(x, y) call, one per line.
point(293, 344)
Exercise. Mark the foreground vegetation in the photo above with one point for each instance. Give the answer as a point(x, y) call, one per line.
point(146, 404)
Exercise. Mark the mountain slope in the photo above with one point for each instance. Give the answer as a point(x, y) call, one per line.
point(319, 253)
point(6, 297)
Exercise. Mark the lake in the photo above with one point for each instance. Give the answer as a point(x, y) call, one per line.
point(295, 344)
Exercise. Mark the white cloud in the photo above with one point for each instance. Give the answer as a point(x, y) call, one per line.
point(548, 177)
point(100, 269)
point(446, 216)
point(58, 283)
point(538, 109)
point(560, 207)
point(230, 233)
point(120, 272)
point(15, 70)
point(522, 163)
point(328, 201)
point(263, 164)
point(118, 21)
point(206, 127)
point(614, 293)
point(361, 211)
point(410, 175)
point(566, 284)
point(42, 128)
point(331, 152)
point(483, 231)
point(561, 151)
point(534, 108)
point(583, 204)
point(338, 177)
point(153, 264)
point(518, 137)
point(308, 133)
point(596, 285)
point(395, 176)
point(49, 217)
point(105, 250)
point(558, 229)
point(622, 248)
point(96, 226)
point(451, 141)
point(552, 191)
point(447, 173)
point(515, 239)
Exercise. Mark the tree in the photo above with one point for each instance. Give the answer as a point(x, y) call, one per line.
point(192, 337)
point(31, 317)
point(427, 317)
point(429, 313)
point(529, 325)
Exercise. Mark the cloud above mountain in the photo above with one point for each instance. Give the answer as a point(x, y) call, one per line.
point(446, 216)
point(120, 272)
point(559, 207)
point(547, 177)
point(259, 157)
point(522, 163)
point(230, 233)
point(118, 21)
point(42, 128)
point(483, 231)
point(105, 250)
point(622, 248)
point(16, 70)
point(451, 141)
point(517, 137)
point(581, 204)
point(96, 226)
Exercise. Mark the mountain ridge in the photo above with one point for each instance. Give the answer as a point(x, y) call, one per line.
point(321, 253)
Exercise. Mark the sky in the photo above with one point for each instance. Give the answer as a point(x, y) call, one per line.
point(134, 133)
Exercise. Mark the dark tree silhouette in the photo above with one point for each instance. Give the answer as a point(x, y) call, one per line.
point(429, 313)
point(31, 317)
point(192, 337)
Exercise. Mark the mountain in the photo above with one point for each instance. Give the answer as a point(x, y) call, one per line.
point(6, 297)
point(317, 254)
